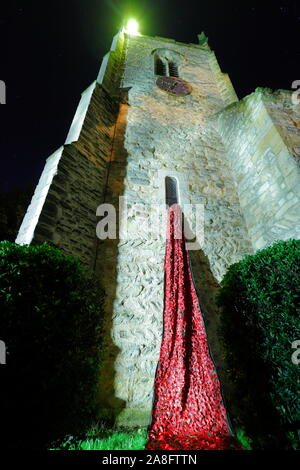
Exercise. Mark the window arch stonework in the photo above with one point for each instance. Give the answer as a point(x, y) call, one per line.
point(167, 62)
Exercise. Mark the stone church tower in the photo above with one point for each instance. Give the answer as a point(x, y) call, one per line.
point(238, 160)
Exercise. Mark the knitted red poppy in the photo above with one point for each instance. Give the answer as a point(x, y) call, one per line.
point(188, 412)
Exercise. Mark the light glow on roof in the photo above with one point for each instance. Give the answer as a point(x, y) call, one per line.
point(132, 28)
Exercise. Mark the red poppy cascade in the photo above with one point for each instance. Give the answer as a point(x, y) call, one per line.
point(188, 411)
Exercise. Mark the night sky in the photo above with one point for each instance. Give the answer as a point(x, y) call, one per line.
point(51, 52)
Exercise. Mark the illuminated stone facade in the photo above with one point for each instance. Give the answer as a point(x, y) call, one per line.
point(238, 160)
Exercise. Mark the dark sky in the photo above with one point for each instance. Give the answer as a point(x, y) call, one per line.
point(51, 51)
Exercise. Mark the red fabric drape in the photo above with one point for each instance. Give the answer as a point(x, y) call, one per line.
point(188, 412)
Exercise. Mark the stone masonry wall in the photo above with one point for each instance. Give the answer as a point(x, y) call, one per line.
point(261, 133)
point(63, 208)
point(164, 135)
point(133, 135)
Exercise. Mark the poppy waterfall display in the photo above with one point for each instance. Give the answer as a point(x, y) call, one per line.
point(188, 410)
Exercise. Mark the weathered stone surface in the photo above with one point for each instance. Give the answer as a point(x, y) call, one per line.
point(261, 133)
point(164, 135)
point(239, 161)
point(63, 209)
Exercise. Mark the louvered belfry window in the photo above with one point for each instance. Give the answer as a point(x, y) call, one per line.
point(171, 191)
point(165, 67)
point(160, 67)
point(173, 69)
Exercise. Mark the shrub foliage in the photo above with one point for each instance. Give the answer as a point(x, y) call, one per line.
point(260, 300)
point(50, 320)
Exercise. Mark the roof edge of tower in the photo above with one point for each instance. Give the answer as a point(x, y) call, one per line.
point(162, 39)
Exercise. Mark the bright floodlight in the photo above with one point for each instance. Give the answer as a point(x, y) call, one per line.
point(132, 27)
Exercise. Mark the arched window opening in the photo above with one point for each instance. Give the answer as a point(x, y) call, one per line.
point(171, 191)
point(173, 69)
point(167, 62)
point(160, 67)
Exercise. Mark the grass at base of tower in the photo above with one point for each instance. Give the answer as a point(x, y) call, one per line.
point(101, 437)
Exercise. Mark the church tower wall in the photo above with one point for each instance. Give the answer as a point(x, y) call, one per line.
point(127, 136)
point(261, 133)
point(63, 208)
point(173, 136)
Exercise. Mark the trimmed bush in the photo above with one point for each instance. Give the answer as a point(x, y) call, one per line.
point(260, 319)
point(50, 320)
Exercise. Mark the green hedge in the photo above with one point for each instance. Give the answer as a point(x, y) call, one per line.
point(260, 319)
point(50, 319)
